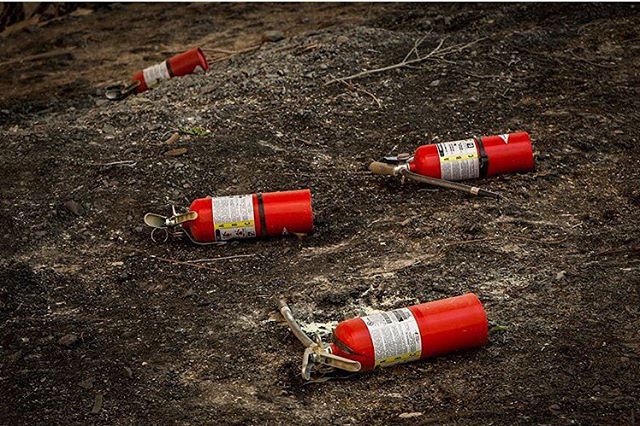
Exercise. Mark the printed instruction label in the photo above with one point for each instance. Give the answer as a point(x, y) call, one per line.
point(459, 160)
point(233, 217)
point(156, 73)
point(395, 336)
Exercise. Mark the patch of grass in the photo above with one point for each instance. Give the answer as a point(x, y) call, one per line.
point(498, 328)
point(194, 131)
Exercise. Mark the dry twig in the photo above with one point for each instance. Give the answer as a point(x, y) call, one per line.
point(128, 163)
point(215, 259)
point(183, 263)
point(230, 53)
point(46, 55)
point(355, 88)
point(438, 53)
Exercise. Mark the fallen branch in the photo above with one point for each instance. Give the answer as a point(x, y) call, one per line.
point(216, 259)
point(230, 53)
point(531, 240)
point(39, 56)
point(129, 163)
point(355, 88)
point(438, 52)
point(183, 263)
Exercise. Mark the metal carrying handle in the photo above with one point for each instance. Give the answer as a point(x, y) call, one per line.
point(119, 91)
point(165, 224)
point(316, 353)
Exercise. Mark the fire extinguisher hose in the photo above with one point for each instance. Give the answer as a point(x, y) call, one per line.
point(379, 168)
point(286, 313)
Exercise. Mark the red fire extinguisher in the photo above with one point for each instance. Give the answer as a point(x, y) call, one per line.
point(475, 157)
point(185, 63)
point(403, 335)
point(440, 164)
point(219, 219)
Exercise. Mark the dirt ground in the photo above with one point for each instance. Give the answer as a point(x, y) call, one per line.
point(96, 326)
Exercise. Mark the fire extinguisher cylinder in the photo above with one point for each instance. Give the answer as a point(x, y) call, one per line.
point(475, 157)
point(407, 334)
point(248, 216)
point(182, 64)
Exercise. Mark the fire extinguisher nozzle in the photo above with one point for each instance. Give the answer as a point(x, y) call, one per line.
point(486, 193)
point(378, 168)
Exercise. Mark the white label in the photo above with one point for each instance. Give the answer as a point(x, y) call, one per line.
point(154, 74)
point(459, 160)
point(233, 217)
point(395, 336)
point(505, 138)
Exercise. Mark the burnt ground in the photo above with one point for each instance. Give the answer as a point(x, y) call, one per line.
point(97, 326)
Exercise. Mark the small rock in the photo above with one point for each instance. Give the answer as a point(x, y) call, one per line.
point(554, 408)
point(87, 383)
point(342, 40)
point(173, 139)
point(434, 83)
point(81, 12)
point(410, 415)
point(15, 357)
point(68, 340)
point(129, 372)
point(561, 275)
point(176, 152)
point(139, 229)
point(97, 404)
point(74, 207)
point(272, 36)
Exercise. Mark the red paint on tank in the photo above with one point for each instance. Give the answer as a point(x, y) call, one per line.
point(274, 214)
point(445, 326)
point(494, 155)
point(177, 66)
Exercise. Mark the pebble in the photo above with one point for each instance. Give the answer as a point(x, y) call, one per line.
point(68, 340)
point(176, 152)
point(434, 83)
point(272, 36)
point(342, 40)
point(410, 415)
point(74, 207)
point(561, 275)
point(97, 404)
point(87, 383)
